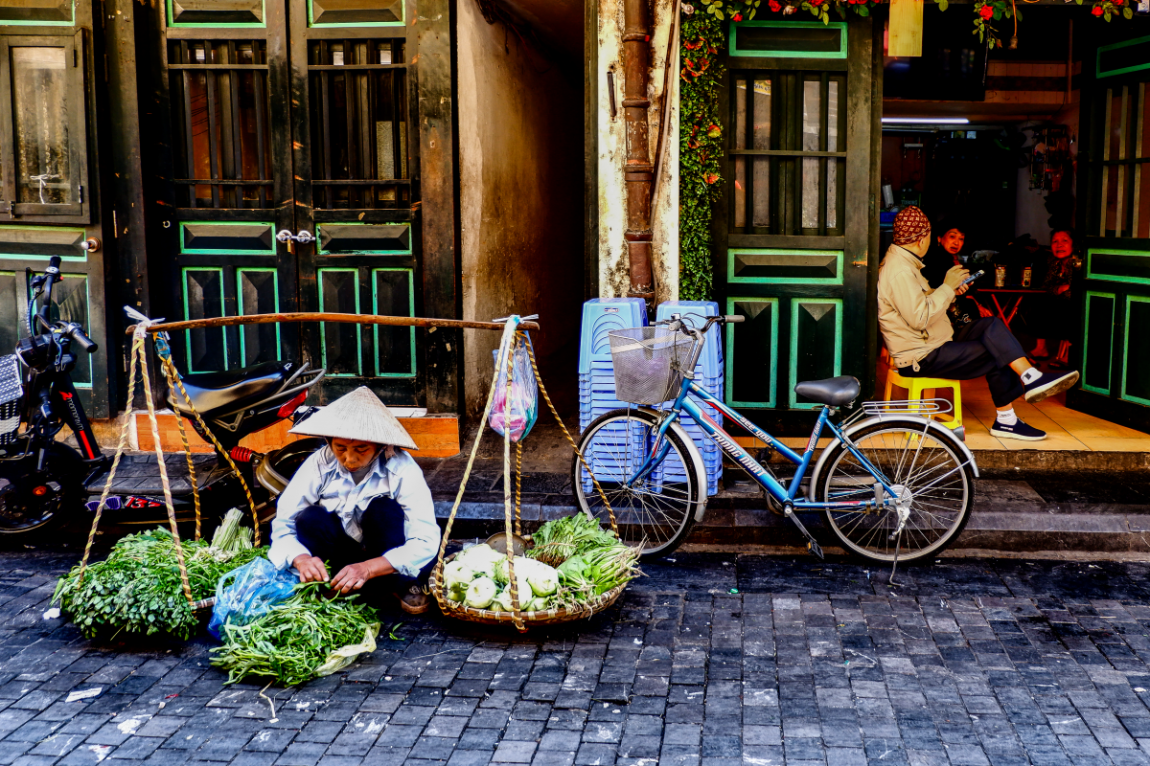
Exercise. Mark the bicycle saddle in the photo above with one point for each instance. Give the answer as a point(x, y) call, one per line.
point(833, 391)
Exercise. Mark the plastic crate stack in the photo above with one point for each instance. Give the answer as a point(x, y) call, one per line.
point(597, 385)
point(709, 377)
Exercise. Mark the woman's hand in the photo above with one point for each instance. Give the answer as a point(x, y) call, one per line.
point(352, 577)
point(311, 568)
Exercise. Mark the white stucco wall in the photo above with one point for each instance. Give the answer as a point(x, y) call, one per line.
point(614, 279)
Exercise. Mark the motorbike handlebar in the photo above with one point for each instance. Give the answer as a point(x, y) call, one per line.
point(80, 338)
point(54, 262)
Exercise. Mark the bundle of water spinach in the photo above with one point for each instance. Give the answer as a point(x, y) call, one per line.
point(314, 633)
point(138, 589)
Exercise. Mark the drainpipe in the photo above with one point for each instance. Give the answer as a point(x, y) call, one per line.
point(638, 171)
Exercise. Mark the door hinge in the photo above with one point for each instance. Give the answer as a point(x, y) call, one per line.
point(80, 194)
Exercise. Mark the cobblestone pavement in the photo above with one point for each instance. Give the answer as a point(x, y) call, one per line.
point(710, 660)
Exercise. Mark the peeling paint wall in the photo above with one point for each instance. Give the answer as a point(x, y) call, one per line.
point(521, 200)
point(614, 278)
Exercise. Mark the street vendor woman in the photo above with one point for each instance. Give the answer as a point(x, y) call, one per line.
point(360, 504)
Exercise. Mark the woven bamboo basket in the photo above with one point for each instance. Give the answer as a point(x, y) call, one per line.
point(462, 611)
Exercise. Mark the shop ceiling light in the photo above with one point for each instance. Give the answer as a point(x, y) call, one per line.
point(925, 121)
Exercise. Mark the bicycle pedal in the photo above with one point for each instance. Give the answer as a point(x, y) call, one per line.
point(815, 548)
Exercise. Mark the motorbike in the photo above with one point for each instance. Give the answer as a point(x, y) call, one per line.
point(45, 483)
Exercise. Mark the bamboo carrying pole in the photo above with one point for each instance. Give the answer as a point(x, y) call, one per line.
point(318, 316)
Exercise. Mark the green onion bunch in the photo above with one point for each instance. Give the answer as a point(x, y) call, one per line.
point(137, 589)
point(590, 574)
point(295, 639)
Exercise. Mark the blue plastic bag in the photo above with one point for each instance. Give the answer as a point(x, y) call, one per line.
point(245, 593)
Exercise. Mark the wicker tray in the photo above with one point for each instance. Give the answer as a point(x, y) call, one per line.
point(461, 611)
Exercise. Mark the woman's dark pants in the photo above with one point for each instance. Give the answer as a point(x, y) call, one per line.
point(321, 532)
point(987, 348)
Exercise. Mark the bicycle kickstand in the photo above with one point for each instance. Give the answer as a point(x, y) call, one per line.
point(894, 566)
point(812, 544)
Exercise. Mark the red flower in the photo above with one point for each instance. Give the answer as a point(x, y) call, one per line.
point(774, 5)
point(1096, 10)
point(737, 17)
point(986, 11)
point(712, 177)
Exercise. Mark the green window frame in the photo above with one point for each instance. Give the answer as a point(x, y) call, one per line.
point(796, 304)
point(1130, 300)
point(375, 329)
point(729, 358)
point(322, 325)
point(734, 49)
point(1110, 345)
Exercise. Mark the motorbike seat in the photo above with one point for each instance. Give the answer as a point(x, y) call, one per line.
point(231, 389)
point(833, 391)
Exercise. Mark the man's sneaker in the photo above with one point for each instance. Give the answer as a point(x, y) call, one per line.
point(1049, 384)
point(415, 601)
point(1017, 431)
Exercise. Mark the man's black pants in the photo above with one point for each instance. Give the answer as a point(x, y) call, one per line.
point(321, 532)
point(987, 348)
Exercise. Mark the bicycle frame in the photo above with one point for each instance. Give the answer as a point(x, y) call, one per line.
point(786, 495)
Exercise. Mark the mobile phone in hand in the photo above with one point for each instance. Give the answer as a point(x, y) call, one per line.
point(972, 277)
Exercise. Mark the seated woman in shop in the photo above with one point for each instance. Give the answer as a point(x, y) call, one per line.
point(361, 505)
point(941, 258)
point(1053, 318)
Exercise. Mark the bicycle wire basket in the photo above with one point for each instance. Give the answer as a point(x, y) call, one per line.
point(649, 363)
point(11, 389)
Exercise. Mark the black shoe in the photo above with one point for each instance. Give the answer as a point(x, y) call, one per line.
point(1049, 384)
point(1019, 431)
point(415, 600)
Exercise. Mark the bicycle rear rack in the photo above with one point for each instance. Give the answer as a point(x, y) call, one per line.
point(924, 408)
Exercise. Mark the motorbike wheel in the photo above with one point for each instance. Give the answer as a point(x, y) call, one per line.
point(33, 501)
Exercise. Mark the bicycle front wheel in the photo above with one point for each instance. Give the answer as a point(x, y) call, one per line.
point(657, 512)
point(930, 475)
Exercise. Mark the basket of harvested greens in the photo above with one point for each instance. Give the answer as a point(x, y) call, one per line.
point(574, 567)
point(573, 570)
point(138, 588)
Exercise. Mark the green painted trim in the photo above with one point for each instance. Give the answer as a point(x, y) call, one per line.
point(835, 280)
point(71, 23)
point(1099, 74)
point(1130, 299)
point(319, 233)
point(176, 25)
point(322, 345)
point(1086, 343)
point(217, 251)
point(240, 308)
point(400, 23)
point(27, 257)
point(734, 50)
point(1090, 273)
point(794, 373)
point(729, 361)
point(188, 317)
point(410, 312)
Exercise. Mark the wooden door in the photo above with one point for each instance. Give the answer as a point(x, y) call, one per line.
point(1113, 294)
point(292, 168)
point(793, 231)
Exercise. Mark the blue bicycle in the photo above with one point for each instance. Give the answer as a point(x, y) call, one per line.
point(895, 484)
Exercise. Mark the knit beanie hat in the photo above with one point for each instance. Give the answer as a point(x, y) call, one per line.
point(910, 225)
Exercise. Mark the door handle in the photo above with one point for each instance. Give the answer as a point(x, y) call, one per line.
point(304, 237)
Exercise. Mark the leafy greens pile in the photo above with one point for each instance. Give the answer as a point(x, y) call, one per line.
point(573, 561)
point(138, 588)
point(313, 633)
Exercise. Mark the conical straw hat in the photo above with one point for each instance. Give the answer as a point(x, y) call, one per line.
point(359, 415)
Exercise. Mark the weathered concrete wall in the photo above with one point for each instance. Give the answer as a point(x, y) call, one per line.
point(521, 199)
point(613, 265)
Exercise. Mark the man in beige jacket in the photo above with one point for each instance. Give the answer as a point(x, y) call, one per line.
point(918, 334)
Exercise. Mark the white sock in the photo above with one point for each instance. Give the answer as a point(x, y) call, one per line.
point(1007, 417)
point(1031, 375)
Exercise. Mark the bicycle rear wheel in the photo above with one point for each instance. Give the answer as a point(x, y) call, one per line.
point(929, 473)
point(658, 511)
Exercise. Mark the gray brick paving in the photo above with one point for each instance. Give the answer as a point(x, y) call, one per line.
point(711, 660)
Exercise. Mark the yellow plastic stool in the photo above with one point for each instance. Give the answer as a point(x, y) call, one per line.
point(915, 386)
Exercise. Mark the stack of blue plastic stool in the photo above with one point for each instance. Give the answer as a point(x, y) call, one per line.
point(709, 377)
point(602, 316)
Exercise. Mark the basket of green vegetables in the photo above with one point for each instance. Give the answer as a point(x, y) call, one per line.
point(138, 588)
point(572, 570)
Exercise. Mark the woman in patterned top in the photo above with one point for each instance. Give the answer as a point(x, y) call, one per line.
point(1055, 317)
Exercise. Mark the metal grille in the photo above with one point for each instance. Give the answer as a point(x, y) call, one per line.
point(11, 389)
point(359, 125)
point(220, 117)
point(649, 363)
